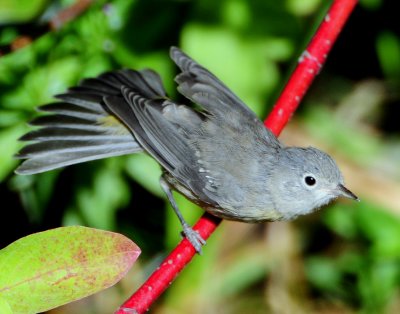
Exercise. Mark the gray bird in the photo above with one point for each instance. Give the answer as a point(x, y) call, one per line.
point(214, 151)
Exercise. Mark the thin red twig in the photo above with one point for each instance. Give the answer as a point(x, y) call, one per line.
point(169, 269)
point(310, 63)
point(69, 13)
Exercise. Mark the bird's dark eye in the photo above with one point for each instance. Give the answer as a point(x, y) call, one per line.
point(309, 180)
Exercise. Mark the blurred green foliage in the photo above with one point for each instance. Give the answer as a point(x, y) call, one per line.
point(21, 11)
point(367, 273)
point(350, 257)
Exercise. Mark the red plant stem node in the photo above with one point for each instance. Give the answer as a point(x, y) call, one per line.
point(309, 65)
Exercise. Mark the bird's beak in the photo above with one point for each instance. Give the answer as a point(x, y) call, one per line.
point(343, 191)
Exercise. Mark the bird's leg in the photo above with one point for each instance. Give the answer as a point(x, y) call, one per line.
point(193, 236)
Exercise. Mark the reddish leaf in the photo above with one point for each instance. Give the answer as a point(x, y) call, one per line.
point(47, 269)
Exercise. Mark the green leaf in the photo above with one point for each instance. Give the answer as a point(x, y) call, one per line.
point(47, 269)
point(20, 11)
point(5, 307)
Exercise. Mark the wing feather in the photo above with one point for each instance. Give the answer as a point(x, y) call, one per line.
point(195, 79)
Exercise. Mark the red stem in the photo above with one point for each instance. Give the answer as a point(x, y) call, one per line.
point(310, 63)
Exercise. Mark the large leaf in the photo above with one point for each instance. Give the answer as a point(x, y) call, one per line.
point(47, 269)
point(20, 11)
point(5, 307)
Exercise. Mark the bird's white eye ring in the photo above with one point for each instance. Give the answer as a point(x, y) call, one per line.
point(310, 180)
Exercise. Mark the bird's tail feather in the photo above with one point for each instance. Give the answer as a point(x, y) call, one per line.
point(80, 128)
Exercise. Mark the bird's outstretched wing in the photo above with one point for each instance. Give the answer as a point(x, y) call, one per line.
point(199, 85)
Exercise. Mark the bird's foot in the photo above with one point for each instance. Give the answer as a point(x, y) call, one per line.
point(194, 238)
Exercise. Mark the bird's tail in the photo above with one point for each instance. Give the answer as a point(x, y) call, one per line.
point(80, 128)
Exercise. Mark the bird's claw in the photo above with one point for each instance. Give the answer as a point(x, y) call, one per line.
point(194, 238)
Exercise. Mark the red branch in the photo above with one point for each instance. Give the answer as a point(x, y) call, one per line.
point(69, 13)
point(310, 63)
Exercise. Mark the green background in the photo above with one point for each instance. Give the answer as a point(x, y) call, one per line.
point(343, 259)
